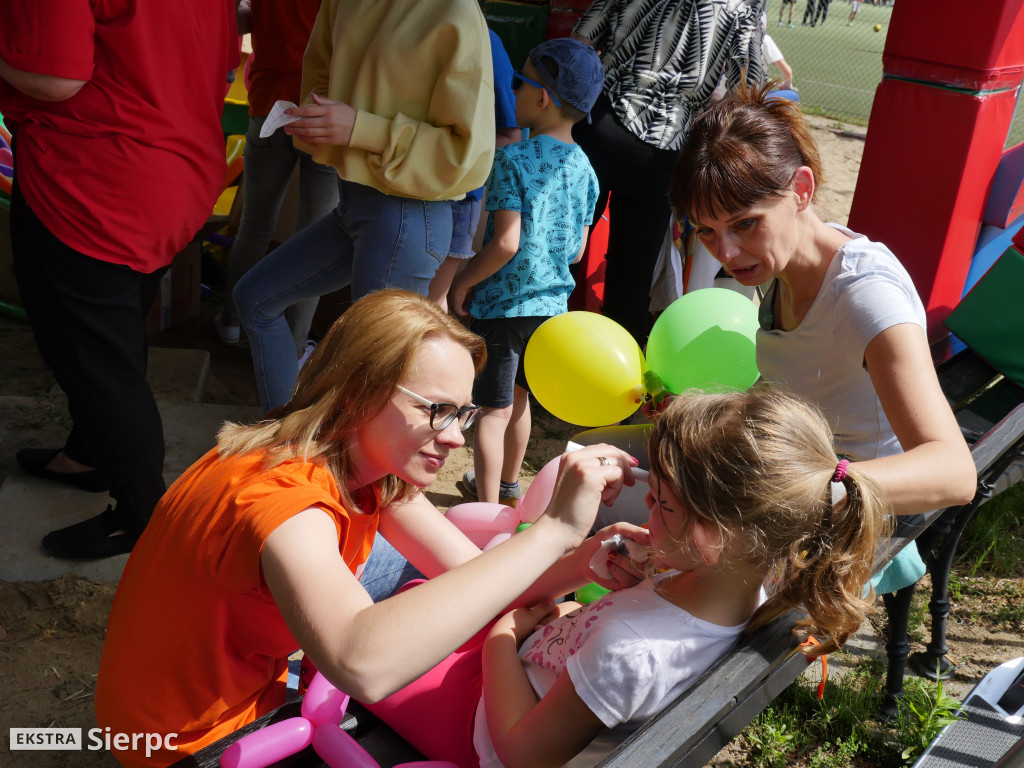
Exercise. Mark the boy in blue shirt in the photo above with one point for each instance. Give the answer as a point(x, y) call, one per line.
point(540, 196)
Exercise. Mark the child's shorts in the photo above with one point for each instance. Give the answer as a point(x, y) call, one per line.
point(506, 339)
point(465, 217)
point(789, 2)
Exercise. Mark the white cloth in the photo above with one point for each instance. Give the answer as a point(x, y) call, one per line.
point(667, 282)
point(277, 118)
point(770, 50)
point(865, 291)
point(628, 655)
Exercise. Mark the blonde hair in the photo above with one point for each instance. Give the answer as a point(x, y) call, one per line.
point(755, 468)
point(348, 380)
point(741, 151)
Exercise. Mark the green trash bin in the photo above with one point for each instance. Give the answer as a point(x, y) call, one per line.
point(521, 26)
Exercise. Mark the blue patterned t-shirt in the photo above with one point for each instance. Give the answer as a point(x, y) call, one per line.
point(553, 187)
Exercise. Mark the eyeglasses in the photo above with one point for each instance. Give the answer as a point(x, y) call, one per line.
point(443, 414)
point(518, 78)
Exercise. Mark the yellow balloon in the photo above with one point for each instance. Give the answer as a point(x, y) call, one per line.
point(585, 369)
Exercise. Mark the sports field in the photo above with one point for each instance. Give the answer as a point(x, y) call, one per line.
point(836, 68)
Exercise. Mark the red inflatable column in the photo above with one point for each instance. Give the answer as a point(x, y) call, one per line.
point(938, 125)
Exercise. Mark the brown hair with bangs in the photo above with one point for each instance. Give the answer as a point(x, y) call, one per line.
point(756, 467)
point(348, 380)
point(741, 151)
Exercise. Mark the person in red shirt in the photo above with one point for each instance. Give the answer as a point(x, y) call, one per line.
point(279, 31)
point(119, 157)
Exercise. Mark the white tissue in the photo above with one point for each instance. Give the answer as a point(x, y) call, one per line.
point(618, 543)
point(277, 118)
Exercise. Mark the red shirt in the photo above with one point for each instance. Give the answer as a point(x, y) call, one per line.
point(128, 169)
point(280, 30)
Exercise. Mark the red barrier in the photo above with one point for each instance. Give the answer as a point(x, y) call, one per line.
point(925, 176)
point(978, 46)
point(589, 292)
point(561, 21)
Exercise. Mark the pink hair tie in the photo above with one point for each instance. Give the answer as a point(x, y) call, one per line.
point(840, 474)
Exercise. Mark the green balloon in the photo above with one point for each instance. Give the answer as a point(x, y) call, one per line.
point(591, 592)
point(705, 340)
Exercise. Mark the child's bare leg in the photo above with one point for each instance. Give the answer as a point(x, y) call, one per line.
point(517, 436)
point(489, 450)
point(442, 282)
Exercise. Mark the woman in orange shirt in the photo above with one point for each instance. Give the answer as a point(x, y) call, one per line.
point(256, 550)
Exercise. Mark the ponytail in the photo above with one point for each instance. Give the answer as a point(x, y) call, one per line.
point(825, 572)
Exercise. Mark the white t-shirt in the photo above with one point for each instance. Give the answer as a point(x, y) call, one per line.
point(865, 291)
point(770, 50)
point(628, 655)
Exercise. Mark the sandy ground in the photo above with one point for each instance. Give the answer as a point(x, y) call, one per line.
point(51, 633)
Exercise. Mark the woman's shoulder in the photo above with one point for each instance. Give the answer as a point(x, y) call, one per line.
point(871, 287)
point(862, 259)
point(259, 472)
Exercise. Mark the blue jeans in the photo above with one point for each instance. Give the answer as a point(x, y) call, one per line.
point(386, 570)
point(369, 241)
point(269, 164)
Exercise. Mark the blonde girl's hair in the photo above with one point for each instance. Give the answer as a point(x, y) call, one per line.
point(756, 469)
point(349, 379)
point(741, 151)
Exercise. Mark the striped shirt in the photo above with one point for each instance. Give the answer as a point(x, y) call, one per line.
point(663, 58)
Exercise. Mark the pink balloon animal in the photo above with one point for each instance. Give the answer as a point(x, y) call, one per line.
point(537, 497)
point(487, 524)
point(483, 522)
point(323, 708)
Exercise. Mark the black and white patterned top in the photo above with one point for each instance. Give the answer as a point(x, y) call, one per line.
point(663, 58)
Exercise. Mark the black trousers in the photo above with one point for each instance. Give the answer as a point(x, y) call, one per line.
point(88, 317)
point(637, 175)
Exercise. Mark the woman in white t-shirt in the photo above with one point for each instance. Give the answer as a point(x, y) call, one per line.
point(841, 322)
point(744, 488)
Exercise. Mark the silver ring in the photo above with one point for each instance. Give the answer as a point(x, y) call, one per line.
point(603, 460)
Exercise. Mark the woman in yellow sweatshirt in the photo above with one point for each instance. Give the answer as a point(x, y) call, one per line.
point(401, 103)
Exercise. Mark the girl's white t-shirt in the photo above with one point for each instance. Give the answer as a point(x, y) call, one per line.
point(629, 655)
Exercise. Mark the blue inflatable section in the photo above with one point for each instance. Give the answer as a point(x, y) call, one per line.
point(992, 242)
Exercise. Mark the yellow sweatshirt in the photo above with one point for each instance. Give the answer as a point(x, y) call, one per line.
point(420, 77)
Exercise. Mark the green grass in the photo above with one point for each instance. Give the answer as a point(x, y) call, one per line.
point(836, 68)
point(993, 541)
point(840, 730)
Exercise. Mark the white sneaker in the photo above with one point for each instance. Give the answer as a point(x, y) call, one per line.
point(307, 352)
point(228, 335)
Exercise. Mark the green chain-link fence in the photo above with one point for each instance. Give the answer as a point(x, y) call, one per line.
point(837, 64)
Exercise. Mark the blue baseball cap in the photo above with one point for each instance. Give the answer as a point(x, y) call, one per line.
point(580, 72)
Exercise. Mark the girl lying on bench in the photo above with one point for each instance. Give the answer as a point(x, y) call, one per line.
point(745, 490)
